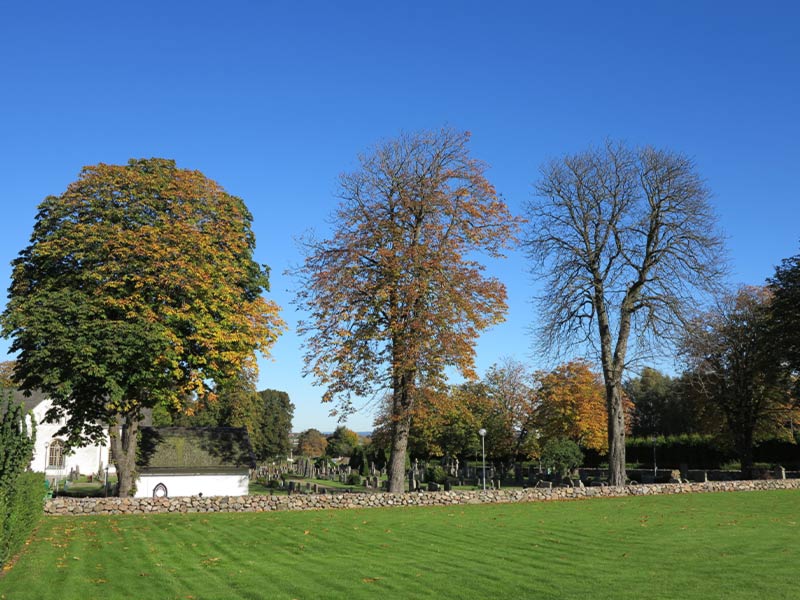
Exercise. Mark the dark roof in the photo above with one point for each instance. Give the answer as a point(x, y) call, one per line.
point(29, 402)
point(194, 449)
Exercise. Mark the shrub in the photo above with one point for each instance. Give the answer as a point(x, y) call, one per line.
point(562, 456)
point(435, 474)
point(21, 507)
point(354, 479)
point(21, 492)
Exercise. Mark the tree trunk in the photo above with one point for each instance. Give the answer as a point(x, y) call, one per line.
point(397, 461)
point(401, 425)
point(124, 439)
point(616, 434)
point(746, 454)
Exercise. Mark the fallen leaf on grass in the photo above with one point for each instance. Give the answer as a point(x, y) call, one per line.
point(370, 579)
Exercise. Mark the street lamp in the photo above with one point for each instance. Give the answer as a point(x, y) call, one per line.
point(482, 433)
point(655, 468)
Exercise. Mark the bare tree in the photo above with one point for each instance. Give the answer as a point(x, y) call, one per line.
point(625, 240)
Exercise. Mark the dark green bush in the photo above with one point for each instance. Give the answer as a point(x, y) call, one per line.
point(562, 456)
point(21, 507)
point(21, 492)
point(435, 474)
point(354, 479)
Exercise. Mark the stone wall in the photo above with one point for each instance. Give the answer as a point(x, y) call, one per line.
point(195, 504)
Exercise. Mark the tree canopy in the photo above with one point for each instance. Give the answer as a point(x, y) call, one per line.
point(267, 415)
point(275, 424)
point(785, 314)
point(342, 442)
point(736, 366)
point(138, 288)
point(395, 296)
point(572, 405)
point(624, 239)
point(311, 443)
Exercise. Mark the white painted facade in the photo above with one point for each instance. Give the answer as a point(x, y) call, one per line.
point(192, 484)
point(56, 463)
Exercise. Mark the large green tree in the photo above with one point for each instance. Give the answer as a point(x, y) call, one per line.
point(395, 295)
point(785, 309)
point(275, 424)
point(736, 366)
point(138, 289)
point(661, 405)
point(342, 442)
point(625, 239)
point(267, 415)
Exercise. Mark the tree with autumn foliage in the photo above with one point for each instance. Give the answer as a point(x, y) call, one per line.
point(7, 374)
point(311, 443)
point(395, 295)
point(572, 405)
point(443, 422)
point(138, 289)
point(446, 422)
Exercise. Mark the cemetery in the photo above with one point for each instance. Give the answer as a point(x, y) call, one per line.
point(400, 301)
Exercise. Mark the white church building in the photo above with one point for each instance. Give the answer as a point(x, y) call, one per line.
point(49, 453)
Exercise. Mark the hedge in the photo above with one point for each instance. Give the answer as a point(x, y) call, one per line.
point(698, 452)
point(21, 507)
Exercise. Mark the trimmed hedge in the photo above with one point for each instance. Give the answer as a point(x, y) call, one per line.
point(697, 452)
point(21, 507)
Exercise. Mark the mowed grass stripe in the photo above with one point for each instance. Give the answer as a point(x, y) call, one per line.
point(739, 545)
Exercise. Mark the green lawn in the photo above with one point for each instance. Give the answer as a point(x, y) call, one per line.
point(735, 545)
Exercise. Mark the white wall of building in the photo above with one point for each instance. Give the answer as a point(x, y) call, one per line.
point(193, 484)
point(89, 460)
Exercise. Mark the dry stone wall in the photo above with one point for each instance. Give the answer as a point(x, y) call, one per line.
point(196, 504)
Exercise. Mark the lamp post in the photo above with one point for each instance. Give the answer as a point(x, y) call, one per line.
point(482, 433)
point(655, 468)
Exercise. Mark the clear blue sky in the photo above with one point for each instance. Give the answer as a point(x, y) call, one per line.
point(275, 99)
